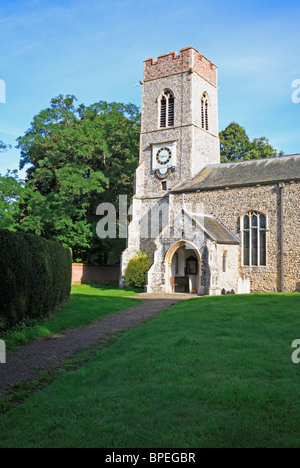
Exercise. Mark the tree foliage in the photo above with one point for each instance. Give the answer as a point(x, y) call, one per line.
point(3, 147)
point(11, 188)
point(79, 156)
point(236, 145)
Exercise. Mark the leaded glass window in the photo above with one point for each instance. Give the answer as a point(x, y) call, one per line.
point(254, 239)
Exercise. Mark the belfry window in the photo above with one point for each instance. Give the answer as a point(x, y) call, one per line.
point(204, 112)
point(167, 110)
point(254, 228)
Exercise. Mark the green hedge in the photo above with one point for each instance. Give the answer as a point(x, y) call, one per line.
point(35, 276)
point(137, 269)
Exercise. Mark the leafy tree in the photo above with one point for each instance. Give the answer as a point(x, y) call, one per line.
point(261, 148)
point(10, 192)
point(79, 157)
point(236, 145)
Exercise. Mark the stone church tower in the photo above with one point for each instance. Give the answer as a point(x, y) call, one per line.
point(179, 113)
point(179, 136)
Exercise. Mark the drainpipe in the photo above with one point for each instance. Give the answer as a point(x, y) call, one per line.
point(281, 187)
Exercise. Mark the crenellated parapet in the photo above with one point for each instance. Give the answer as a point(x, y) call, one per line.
point(188, 60)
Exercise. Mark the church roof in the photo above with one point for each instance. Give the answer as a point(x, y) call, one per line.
point(218, 231)
point(237, 174)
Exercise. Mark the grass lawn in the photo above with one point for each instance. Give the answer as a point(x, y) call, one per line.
point(85, 304)
point(209, 372)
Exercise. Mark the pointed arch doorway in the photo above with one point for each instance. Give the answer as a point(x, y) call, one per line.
point(183, 268)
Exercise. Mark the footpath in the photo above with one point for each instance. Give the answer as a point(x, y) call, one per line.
point(27, 362)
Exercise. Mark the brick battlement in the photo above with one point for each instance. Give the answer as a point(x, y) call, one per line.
point(188, 59)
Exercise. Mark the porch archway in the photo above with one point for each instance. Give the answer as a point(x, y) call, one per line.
point(194, 280)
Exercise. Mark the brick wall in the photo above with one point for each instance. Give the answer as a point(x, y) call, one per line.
point(90, 274)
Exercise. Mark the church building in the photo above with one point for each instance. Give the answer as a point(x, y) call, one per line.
point(209, 228)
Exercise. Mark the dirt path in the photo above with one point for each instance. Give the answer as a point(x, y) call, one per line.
point(26, 362)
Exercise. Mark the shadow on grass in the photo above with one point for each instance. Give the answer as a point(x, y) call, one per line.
point(81, 308)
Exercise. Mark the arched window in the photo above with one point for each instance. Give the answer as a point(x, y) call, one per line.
point(204, 112)
point(254, 228)
point(167, 109)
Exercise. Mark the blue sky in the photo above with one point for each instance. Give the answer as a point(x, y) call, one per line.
point(95, 50)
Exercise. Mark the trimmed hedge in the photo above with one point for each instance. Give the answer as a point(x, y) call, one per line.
point(137, 269)
point(35, 276)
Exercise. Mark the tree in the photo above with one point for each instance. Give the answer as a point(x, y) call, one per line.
point(236, 145)
point(78, 157)
point(11, 188)
point(261, 148)
point(3, 147)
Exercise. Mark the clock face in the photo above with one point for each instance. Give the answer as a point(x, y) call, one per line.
point(163, 156)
